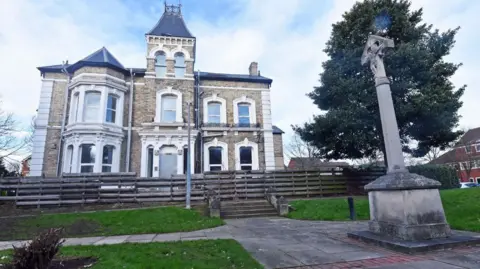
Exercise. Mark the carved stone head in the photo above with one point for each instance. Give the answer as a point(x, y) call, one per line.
point(374, 44)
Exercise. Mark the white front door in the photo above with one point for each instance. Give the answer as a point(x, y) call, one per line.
point(168, 161)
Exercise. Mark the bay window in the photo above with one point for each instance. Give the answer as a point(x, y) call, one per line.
point(91, 106)
point(111, 108)
point(87, 158)
point(107, 158)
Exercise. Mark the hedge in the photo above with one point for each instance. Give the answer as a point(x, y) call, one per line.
point(446, 175)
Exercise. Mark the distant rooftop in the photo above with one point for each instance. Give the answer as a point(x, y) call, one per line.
point(171, 23)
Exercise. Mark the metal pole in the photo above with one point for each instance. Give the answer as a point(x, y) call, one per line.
point(189, 172)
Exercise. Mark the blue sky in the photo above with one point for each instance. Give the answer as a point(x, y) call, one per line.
point(286, 38)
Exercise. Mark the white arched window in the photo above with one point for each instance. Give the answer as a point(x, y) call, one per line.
point(244, 112)
point(215, 156)
point(169, 106)
point(160, 64)
point(214, 110)
point(246, 155)
point(91, 106)
point(179, 65)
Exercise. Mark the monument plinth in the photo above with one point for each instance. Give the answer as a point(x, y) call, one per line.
point(402, 205)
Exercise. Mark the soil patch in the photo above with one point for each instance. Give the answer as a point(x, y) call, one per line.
point(67, 263)
point(73, 263)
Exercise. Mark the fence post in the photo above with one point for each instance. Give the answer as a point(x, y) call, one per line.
point(320, 183)
point(16, 193)
point(84, 179)
point(306, 181)
point(40, 193)
point(246, 183)
point(135, 190)
point(60, 194)
point(171, 188)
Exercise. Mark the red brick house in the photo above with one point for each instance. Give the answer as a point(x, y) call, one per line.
point(25, 169)
point(305, 163)
point(465, 157)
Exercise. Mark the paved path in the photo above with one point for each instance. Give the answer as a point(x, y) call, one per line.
point(286, 243)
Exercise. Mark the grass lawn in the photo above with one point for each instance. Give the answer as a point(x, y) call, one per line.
point(190, 254)
point(462, 208)
point(141, 221)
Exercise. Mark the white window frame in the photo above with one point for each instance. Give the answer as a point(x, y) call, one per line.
point(247, 143)
point(477, 147)
point(116, 110)
point(80, 164)
point(180, 70)
point(223, 108)
point(111, 165)
point(164, 65)
point(74, 103)
point(478, 180)
point(169, 91)
point(468, 147)
point(173, 98)
point(252, 110)
point(206, 154)
point(85, 106)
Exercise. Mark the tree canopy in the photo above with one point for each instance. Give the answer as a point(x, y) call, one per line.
point(426, 102)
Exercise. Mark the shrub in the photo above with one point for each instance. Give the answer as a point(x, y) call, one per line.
point(444, 174)
point(39, 253)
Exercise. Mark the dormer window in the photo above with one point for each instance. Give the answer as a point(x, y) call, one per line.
point(160, 64)
point(179, 65)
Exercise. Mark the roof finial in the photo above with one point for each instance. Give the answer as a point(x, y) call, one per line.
point(173, 9)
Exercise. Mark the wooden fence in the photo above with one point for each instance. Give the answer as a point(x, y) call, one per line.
point(127, 188)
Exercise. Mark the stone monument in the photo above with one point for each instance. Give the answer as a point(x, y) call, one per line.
point(403, 205)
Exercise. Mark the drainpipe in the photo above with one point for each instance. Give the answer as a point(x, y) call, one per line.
point(129, 130)
point(199, 122)
point(62, 130)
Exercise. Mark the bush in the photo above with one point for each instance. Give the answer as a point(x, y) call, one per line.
point(39, 253)
point(444, 174)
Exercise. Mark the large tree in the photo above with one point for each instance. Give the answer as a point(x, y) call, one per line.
point(426, 102)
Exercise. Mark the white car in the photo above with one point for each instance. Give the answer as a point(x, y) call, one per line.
point(466, 185)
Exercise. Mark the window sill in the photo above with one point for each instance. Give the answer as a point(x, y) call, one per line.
point(93, 125)
point(167, 124)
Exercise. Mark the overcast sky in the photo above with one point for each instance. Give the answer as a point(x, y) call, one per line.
point(286, 38)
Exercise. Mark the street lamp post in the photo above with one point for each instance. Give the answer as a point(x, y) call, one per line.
point(189, 172)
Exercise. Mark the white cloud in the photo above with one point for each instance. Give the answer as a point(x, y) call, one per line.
point(35, 33)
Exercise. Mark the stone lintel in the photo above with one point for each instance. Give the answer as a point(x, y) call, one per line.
point(402, 181)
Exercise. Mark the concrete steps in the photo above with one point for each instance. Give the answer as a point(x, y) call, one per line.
point(247, 209)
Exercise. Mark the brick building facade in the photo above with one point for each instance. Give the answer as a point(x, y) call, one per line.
point(464, 157)
point(98, 116)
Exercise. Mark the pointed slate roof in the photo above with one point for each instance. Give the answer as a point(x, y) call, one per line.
point(100, 58)
point(171, 23)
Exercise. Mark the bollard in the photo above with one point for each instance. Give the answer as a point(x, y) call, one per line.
point(351, 207)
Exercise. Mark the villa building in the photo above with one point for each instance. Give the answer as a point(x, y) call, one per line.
point(96, 115)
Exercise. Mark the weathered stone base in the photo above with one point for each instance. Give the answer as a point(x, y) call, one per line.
point(457, 238)
point(410, 232)
point(407, 207)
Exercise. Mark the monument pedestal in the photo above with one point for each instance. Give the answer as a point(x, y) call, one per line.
point(406, 214)
point(406, 206)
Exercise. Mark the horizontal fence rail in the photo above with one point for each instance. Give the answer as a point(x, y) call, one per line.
point(81, 189)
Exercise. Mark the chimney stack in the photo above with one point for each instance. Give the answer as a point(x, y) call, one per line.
point(253, 69)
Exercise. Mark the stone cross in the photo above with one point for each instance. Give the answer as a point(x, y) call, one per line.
point(373, 55)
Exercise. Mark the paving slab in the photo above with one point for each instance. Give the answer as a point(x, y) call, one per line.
point(111, 240)
point(141, 238)
point(83, 241)
point(193, 234)
point(166, 237)
point(313, 256)
point(428, 264)
point(359, 255)
point(463, 261)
